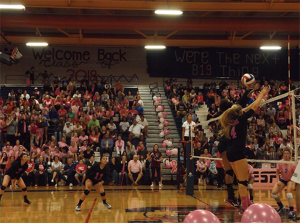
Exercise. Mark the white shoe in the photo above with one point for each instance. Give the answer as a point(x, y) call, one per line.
point(151, 185)
point(70, 185)
point(55, 185)
point(108, 205)
point(52, 181)
point(160, 185)
point(77, 208)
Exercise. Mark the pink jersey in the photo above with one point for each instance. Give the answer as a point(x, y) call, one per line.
point(16, 148)
point(10, 153)
point(59, 154)
point(286, 170)
point(44, 154)
point(73, 149)
point(250, 171)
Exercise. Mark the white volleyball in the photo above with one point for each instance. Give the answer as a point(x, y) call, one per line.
point(248, 79)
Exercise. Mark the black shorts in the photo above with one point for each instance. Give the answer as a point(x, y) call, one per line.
point(234, 154)
point(94, 181)
point(222, 146)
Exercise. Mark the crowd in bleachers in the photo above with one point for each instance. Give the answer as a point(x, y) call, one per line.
point(65, 126)
point(269, 131)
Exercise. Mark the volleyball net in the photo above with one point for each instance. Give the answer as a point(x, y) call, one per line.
point(281, 100)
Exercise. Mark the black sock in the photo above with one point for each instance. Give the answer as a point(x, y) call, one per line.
point(291, 208)
point(25, 197)
point(0, 196)
point(280, 204)
point(230, 191)
point(104, 201)
point(80, 202)
point(251, 197)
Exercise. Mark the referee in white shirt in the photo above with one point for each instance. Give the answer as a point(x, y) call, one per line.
point(186, 129)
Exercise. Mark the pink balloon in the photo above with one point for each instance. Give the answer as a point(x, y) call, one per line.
point(201, 216)
point(174, 151)
point(261, 212)
point(159, 99)
point(164, 145)
point(161, 120)
point(168, 152)
point(166, 123)
point(159, 108)
point(156, 103)
point(165, 114)
point(167, 132)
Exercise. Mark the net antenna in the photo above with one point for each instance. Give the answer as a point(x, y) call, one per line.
point(288, 94)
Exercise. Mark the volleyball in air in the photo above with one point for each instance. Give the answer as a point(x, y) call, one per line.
point(248, 79)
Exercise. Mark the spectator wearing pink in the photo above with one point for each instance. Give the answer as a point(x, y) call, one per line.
point(96, 96)
point(82, 149)
point(62, 112)
point(80, 172)
point(68, 101)
point(175, 100)
point(62, 143)
point(52, 147)
point(65, 152)
point(206, 154)
point(58, 100)
point(75, 108)
point(133, 111)
point(110, 113)
point(21, 150)
point(261, 121)
point(82, 138)
point(16, 147)
point(119, 144)
point(35, 152)
point(125, 102)
point(48, 101)
point(200, 97)
point(9, 152)
point(99, 113)
point(201, 171)
point(76, 99)
point(135, 170)
point(75, 137)
point(57, 153)
point(46, 154)
point(73, 149)
point(124, 111)
point(45, 108)
point(34, 133)
point(116, 106)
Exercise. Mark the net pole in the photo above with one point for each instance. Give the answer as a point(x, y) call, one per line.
point(289, 65)
point(294, 126)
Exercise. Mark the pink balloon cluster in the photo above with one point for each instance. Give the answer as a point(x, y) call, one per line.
point(167, 132)
point(164, 114)
point(166, 123)
point(258, 212)
point(156, 103)
point(174, 166)
point(170, 152)
point(158, 99)
point(160, 108)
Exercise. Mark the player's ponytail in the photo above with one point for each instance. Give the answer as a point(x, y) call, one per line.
point(227, 119)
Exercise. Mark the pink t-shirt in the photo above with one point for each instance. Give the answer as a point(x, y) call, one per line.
point(62, 144)
point(82, 148)
point(69, 153)
point(59, 154)
point(10, 153)
point(135, 166)
point(16, 148)
point(201, 165)
point(286, 170)
point(74, 139)
point(73, 149)
point(81, 168)
point(44, 154)
point(52, 149)
point(83, 138)
point(250, 170)
point(218, 162)
point(35, 150)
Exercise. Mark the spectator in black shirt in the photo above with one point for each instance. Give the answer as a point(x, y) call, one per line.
point(212, 112)
point(88, 153)
point(180, 109)
point(260, 135)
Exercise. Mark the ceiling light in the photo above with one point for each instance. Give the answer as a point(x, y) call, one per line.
point(270, 47)
point(36, 44)
point(12, 6)
point(155, 47)
point(168, 12)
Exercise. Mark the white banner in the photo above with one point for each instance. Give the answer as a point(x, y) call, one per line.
point(296, 175)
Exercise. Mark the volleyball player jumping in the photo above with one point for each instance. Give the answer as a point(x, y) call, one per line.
point(222, 146)
point(96, 176)
point(234, 124)
point(286, 172)
point(14, 173)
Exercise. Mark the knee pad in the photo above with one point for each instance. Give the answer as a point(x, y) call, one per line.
point(86, 192)
point(245, 183)
point(230, 172)
point(3, 188)
point(289, 195)
point(102, 194)
point(24, 189)
point(250, 187)
point(274, 196)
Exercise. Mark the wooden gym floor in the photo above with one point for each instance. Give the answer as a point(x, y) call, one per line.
point(129, 204)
